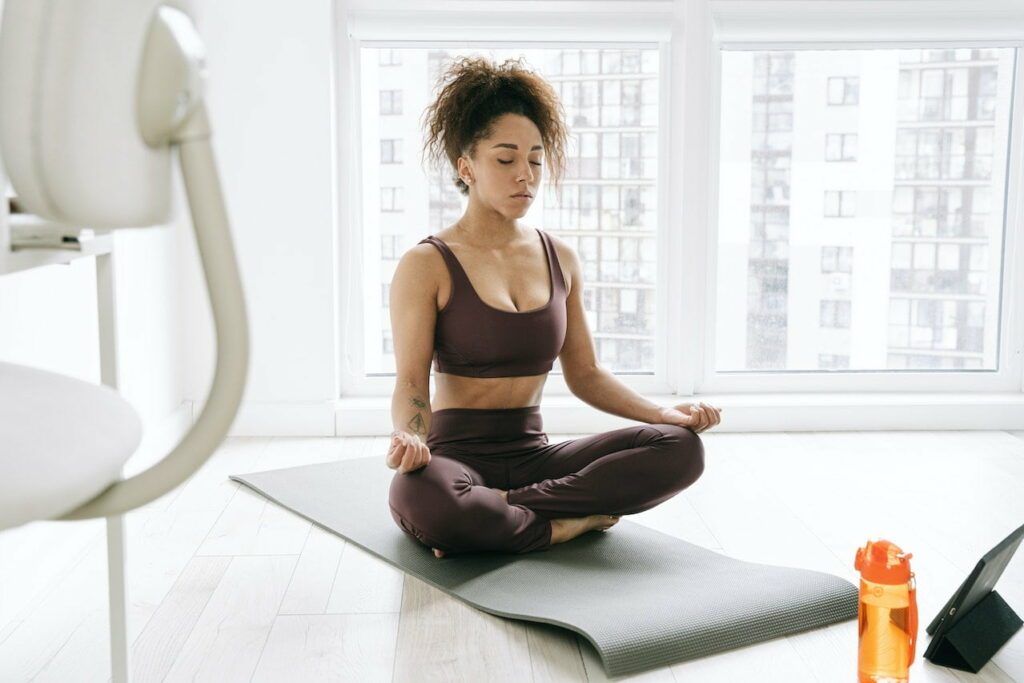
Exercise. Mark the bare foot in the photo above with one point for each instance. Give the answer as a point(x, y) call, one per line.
point(563, 530)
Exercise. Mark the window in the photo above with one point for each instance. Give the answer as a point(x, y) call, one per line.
point(928, 210)
point(390, 199)
point(390, 246)
point(389, 57)
point(841, 147)
point(390, 102)
point(836, 259)
point(828, 361)
point(607, 207)
point(843, 90)
point(840, 203)
point(834, 313)
point(391, 151)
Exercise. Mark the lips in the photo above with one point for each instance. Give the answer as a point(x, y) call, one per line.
point(523, 194)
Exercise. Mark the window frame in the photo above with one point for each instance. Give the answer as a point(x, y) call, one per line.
point(781, 25)
point(689, 110)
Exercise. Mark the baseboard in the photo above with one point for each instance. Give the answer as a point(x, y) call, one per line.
point(363, 416)
point(284, 418)
point(159, 437)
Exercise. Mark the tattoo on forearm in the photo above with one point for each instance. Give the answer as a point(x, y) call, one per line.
point(417, 424)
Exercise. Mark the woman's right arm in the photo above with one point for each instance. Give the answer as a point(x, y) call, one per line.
point(413, 304)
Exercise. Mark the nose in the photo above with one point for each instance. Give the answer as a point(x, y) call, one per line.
point(528, 175)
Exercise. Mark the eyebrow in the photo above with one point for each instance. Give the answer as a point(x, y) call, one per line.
point(511, 146)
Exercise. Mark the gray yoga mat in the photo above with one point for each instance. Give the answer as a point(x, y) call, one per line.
point(644, 599)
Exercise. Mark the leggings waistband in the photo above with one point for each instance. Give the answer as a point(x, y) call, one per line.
point(499, 428)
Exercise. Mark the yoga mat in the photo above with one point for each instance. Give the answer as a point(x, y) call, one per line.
point(644, 599)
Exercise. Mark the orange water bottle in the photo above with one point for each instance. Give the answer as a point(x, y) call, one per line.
point(886, 613)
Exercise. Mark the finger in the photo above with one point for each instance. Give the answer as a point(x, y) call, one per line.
point(408, 459)
point(712, 414)
point(709, 415)
point(395, 457)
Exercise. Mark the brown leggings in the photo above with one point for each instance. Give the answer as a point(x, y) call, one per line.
point(448, 504)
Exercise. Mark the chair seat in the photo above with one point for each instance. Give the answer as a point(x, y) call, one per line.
point(62, 442)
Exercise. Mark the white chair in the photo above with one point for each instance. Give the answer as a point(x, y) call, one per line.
point(95, 98)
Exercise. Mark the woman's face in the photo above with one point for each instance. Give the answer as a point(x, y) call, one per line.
point(506, 164)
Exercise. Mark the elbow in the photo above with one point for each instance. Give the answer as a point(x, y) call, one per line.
point(403, 383)
point(578, 380)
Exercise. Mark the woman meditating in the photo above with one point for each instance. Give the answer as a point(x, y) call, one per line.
point(494, 302)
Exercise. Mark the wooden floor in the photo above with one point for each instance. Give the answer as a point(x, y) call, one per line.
point(224, 586)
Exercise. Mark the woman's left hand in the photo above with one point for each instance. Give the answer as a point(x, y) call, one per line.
point(696, 417)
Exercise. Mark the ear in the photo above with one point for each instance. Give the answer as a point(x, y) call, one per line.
point(464, 170)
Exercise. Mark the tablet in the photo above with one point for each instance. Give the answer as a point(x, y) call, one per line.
point(974, 588)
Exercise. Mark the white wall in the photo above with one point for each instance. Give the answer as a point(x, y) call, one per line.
point(269, 94)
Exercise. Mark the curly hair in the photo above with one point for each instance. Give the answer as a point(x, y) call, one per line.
point(475, 91)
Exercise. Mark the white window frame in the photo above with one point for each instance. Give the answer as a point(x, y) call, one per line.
point(810, 24)
point(689, 120)
point(638, 24)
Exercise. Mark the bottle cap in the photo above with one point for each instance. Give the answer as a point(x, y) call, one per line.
point(883, 562)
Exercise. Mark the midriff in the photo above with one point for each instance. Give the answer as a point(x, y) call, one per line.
point(456, 391)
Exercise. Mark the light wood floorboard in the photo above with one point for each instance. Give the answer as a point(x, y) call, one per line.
point(226, 586)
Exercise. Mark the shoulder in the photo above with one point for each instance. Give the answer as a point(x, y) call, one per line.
point(422, 259)
point(572, 269)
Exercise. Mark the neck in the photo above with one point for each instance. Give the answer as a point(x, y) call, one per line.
point(486, 227)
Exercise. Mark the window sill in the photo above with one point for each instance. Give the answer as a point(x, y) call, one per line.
point(755, 412)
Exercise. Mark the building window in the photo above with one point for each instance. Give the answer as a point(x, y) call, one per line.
point(391, 199)
point(831, 361)
point(841, 147)
point(389, 57)
point(390, 248)
point(390, 102)
point(834, 313)
point(391, 151)
point(385, 294)
point(835, 259)
point(843, 90)
point(840, 203)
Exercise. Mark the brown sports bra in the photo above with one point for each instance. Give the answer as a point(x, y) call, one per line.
point(474, 339)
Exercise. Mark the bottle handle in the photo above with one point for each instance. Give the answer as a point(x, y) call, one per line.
point(912, 625)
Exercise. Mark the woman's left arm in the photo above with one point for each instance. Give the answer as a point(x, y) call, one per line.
point(603, 390)
point(599, 387)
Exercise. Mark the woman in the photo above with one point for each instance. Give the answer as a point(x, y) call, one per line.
point(495, 302)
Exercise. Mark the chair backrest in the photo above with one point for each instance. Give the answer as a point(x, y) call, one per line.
point(69, 71)
point(80, 81)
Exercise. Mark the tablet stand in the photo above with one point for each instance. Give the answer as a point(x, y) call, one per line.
point(977, 635)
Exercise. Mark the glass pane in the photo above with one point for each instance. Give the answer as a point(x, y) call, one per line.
point(607, 206)
point(913, 226)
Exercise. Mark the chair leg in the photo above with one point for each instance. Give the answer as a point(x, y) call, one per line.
point(118, 602)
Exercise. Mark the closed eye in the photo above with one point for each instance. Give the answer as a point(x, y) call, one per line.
point(502, 161)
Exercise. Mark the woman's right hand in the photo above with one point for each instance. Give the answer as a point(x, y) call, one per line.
point(407, 452)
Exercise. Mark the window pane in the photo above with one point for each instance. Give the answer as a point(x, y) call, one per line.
point(922, 208)
point(607, 206)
